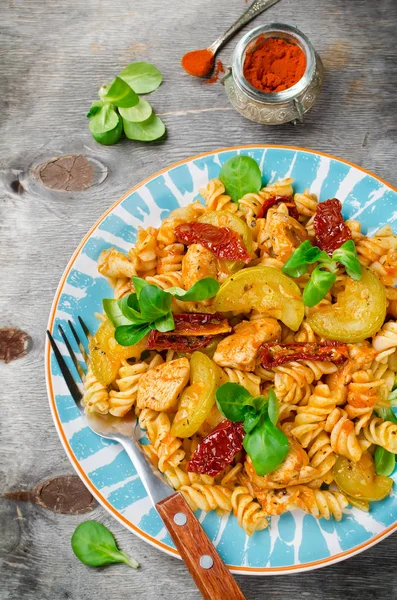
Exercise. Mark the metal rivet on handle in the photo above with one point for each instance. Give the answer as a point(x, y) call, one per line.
point(206, 561)
point(180, 518)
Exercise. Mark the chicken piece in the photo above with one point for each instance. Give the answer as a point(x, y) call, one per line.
point(362, 355)
point(160, 387)
point(285, 232)
point(295, 470)
point(240, 349)
point(197, 264)
point(277, 502)
point(113, 263)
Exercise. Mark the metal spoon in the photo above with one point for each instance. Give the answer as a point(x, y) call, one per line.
point(255, 9)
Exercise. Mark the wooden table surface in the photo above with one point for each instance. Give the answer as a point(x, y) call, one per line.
point(54, 56)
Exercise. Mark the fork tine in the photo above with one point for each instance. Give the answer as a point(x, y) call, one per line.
point(85, 328)
point(76, 363)
point(70, 382)
point(78, 341)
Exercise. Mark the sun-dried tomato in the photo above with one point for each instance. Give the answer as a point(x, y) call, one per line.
point(218, 449)
point(287, 200)
point(329, 226)
point(272, 355)
point(181, 343)
point(221, 241)
point(200, 324)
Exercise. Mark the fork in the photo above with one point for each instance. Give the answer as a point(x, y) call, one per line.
point(209, 572)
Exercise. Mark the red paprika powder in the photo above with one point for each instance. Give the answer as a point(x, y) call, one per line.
point(274, 64)
point(215, 77)
point(198, 62)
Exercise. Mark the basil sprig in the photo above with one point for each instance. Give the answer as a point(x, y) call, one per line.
point(241, 175)
point(120, 107)
point(385, 461)
point(302, 257)
point(347, 256)
point(149, 307)
point(318, 286)
point(266, 445)
point(323, 276)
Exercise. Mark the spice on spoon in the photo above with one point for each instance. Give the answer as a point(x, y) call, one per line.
point(274, 64)
point(198, 62)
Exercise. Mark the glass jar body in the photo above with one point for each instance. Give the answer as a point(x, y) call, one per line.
point(280, 107)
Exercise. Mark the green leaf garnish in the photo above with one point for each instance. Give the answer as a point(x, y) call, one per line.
point(251, 419)
point(266, 445)
point(95, 108)
point(129, 307)
point(154, 303)
point(128, 335)
point(120, 108)
point(273, 407)
point(104, 120)
point(144, 131)
point(139, 284)
point(138, 113)
point(385, 461)
point(263, 441)
point(113, 312)
point(318, 286)
point(165, 323)
point(299, 261)
point(241, 175)
point(201, 290)
point(347, 256)
point(94, 545)
point(321, 281)
point(305, 255)
point(142, 77)
point(119, 93)
point(149, 308)
point(232, 400)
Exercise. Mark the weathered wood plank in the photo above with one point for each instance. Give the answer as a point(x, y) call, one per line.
point(54, 57)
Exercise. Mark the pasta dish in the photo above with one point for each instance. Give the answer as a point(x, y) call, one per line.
point(254, 336)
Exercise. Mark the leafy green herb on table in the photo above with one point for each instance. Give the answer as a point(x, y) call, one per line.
point(241, 175)
point(119, 93)
point(323, 276)
point(385, 461)
point(120, 107)
point(264, 442)
point(149, 307)
point(105, 124)
point(94, 545)
point(142, 77)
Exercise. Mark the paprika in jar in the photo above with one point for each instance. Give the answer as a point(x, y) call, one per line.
point(275, 76)
point(274, 64)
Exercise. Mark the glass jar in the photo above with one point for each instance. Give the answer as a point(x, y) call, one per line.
point(274, 108)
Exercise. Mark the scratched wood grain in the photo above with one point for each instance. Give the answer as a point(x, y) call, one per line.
point(54, 56)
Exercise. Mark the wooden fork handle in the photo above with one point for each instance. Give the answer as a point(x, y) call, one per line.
point(208, 570)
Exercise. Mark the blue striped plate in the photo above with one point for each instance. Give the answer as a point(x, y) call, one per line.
point(294, 541)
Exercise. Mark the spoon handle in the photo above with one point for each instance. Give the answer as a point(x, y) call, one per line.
point(255, 9)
